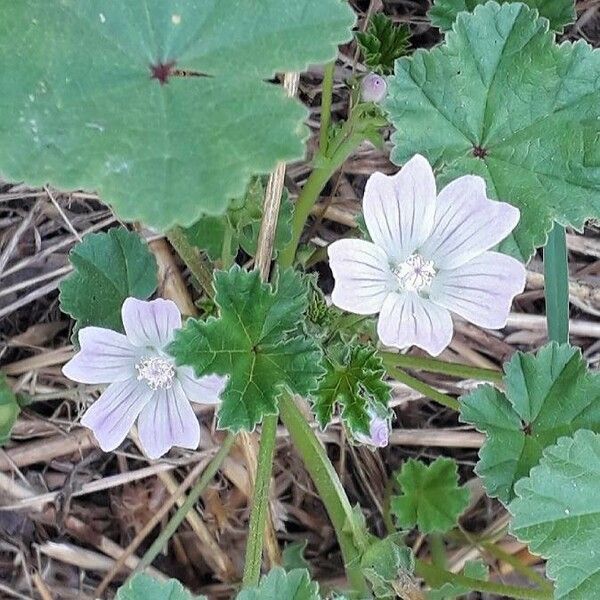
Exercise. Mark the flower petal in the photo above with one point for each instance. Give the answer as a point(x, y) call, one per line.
point(150, 323)
point(467, 223)
point(362, 276)
point(409, 320)
point(399, 210)
point(481, 290)
point(379, 433)
point(114, 413)
point(105, 357)
point(205, 390)
point(168, 420)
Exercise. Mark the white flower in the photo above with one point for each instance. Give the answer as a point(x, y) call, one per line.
point(430, 255)
point(144, 380)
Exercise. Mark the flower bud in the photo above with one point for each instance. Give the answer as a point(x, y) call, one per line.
point(379, 433)
point(373, 88)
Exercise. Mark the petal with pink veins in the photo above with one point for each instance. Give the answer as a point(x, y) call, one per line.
point(467, 223)
point(112, 416)
point(399, 209)
point(409, 320)
point(205, 390)
point(105, 357)
point(150, 323)
point(166, 421)
point(362, 274)
point(482, 290)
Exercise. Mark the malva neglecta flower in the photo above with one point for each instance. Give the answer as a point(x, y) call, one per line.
point(373, 88)
point(379, 433)
point(430, 255)
point(145, 383)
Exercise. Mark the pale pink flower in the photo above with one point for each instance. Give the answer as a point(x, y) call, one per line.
point(144, 382)
point(373, 88)
point(430, 255)
point(379, 433)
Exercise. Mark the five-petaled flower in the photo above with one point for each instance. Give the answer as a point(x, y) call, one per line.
point(144, 382)
point(430, 255)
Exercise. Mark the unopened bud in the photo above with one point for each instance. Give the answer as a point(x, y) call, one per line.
point(373, 88)
point(379, 433)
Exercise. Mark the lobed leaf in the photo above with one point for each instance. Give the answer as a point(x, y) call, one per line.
point(431, 498)
point(258, 341)
point(557, 511)
point(160, 106)
point(144, 587)
point(108, 268)
point(279, 584)
point(500, 99)
point(559, 13)
point(547, 396)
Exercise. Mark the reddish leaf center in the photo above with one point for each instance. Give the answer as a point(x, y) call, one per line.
point(479, 152)
point(162, 71)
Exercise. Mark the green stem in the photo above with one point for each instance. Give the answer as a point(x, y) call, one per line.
point(328, 484)
point(189, 503)
point(326, 98)
point(434, 365)
point(556, 284)
point(260, 503)
point(435, 577)
point(438, 550)
point(192, 259)
point(423, 388)
point(227, 257)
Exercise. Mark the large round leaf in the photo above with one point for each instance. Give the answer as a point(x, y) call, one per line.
point(159, 105)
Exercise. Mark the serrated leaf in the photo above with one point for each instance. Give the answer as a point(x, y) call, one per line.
point(476, 569)
point(431, 498)
point(557, 511)
point(500, 99)
point(382, 43)
point(354, 380)
point(443, 13)
point(279, 584)
point(258, 341)
point(144, 587)
point(9, 409)
point(108, 268)
point(292, 557)
point(547, 396)
point(208, 234)
point(160, 106)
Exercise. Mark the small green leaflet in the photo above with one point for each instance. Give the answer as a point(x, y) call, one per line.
point(292, 556)
point(354, 379)
point(548, 395)
point(431, 498)
point(475, 569)
point(108, 268)
point(258, 341)
point(160, 106)
point(382, 43)
point(443, 13)
point(279, 584)
point(144, 587)
point(9, 409)
point(500, 99)
point(557, 511)
point(241, 225)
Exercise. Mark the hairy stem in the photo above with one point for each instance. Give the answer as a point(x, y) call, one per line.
point(192, 498)
point(434, 365)
point(423, 388)
point(436, 577)
point(326, 98)
point(328, 485)
point(556, 286)
point(260, 502)
point(194, 262)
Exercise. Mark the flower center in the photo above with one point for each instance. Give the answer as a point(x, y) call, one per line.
point(415, 273)
point(156, 371)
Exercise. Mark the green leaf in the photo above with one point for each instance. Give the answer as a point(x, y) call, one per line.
point(382, 43)
point(108, 268)
point(443, 13)
point(144, 587)
point(258, 341)
point(279, 584)
point(557, 511)
point(159, 106)
point(500, 99)
point(208, 233)
point(292, 556)
point(354, 379)
point(9, 409)
point(431, 497)
point(547, 396)
point(475, 569)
